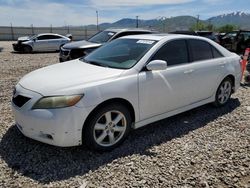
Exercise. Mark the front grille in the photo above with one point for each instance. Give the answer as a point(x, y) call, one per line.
point(64, 52)
point(20, 100)
point(77, 53)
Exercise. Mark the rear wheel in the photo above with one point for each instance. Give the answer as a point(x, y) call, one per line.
point(223, 93)
point(107, 127)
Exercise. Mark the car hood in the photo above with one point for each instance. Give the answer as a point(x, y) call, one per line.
point(67, 78)
point(81, 44)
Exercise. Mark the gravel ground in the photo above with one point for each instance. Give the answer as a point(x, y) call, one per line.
point(204, 147)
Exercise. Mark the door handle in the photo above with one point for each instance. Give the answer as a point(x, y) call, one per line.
point(188, 71)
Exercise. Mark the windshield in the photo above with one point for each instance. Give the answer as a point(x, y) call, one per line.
point(101, 37)
point(230, 35)
point(120, 53)
point(32, 36)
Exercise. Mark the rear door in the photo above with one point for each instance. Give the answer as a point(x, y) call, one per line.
point(207, 68)
point(55, 42)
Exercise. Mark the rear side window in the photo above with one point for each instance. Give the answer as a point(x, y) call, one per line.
point(54, 37)
point(43, 37)
point(200, 50)
point(173, 52)
point(216, 53)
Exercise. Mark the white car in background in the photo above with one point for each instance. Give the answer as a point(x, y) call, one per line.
point(41, 42)
point(125, 84)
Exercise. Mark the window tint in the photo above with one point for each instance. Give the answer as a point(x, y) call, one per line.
point(54, 37)
point(200, 50)
point(216, 53)
point(174, 52)
point(47, 37)
point(43, 37)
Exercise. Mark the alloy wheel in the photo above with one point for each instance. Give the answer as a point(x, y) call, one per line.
point(109, 128)
point(224, 92)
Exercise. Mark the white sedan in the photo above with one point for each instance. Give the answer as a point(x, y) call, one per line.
point(125, 84)
point(41, 42)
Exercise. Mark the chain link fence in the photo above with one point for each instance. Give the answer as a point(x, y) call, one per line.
point(8, 33)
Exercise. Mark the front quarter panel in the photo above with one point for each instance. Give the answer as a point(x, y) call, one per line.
point(29, 43)
point(125, 87)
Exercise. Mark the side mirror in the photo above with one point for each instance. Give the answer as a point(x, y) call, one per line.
point(156, 65)
point(34, 39)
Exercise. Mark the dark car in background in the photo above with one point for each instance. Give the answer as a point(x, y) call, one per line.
point(236, 41)
point(208, 34)
point(79, 49)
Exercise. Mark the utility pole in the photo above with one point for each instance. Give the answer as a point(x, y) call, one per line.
point(198, 20)
point(12, 31)
point(137, 21)
point(163, 19)
point(32, 29)
point(97, 21)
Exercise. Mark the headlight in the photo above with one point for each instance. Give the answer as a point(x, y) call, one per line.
point(57, 102)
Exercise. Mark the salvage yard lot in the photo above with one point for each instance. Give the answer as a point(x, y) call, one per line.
point(204, 147)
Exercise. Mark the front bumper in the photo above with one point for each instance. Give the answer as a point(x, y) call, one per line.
point(59, 127)
point(17, 47)
point(64, 55)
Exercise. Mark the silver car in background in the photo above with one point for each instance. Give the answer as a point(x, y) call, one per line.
point(40, 42)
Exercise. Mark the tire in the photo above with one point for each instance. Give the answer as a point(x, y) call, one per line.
point(223, 93)
point(27, 49)
point(107, 127)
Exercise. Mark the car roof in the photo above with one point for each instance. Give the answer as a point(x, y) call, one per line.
point(41, 34)
point(159, 37)
point(118, 30)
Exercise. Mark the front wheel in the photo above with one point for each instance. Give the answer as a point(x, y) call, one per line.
point(27, 49)
point(107, 127)
point(223, 93)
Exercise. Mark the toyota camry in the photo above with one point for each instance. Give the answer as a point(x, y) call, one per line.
point(126, 84)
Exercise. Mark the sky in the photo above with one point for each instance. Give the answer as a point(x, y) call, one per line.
point(83, 12)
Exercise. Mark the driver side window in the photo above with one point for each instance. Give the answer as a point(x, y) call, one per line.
point(174, 53)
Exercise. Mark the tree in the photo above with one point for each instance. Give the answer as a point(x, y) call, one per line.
point(227, 28)
point(199, 27)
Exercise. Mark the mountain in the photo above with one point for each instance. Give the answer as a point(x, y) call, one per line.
point(162, 23)
point(240, 19)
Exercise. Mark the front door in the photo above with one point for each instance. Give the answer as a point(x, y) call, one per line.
point(42, 43)
point(170, 89)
